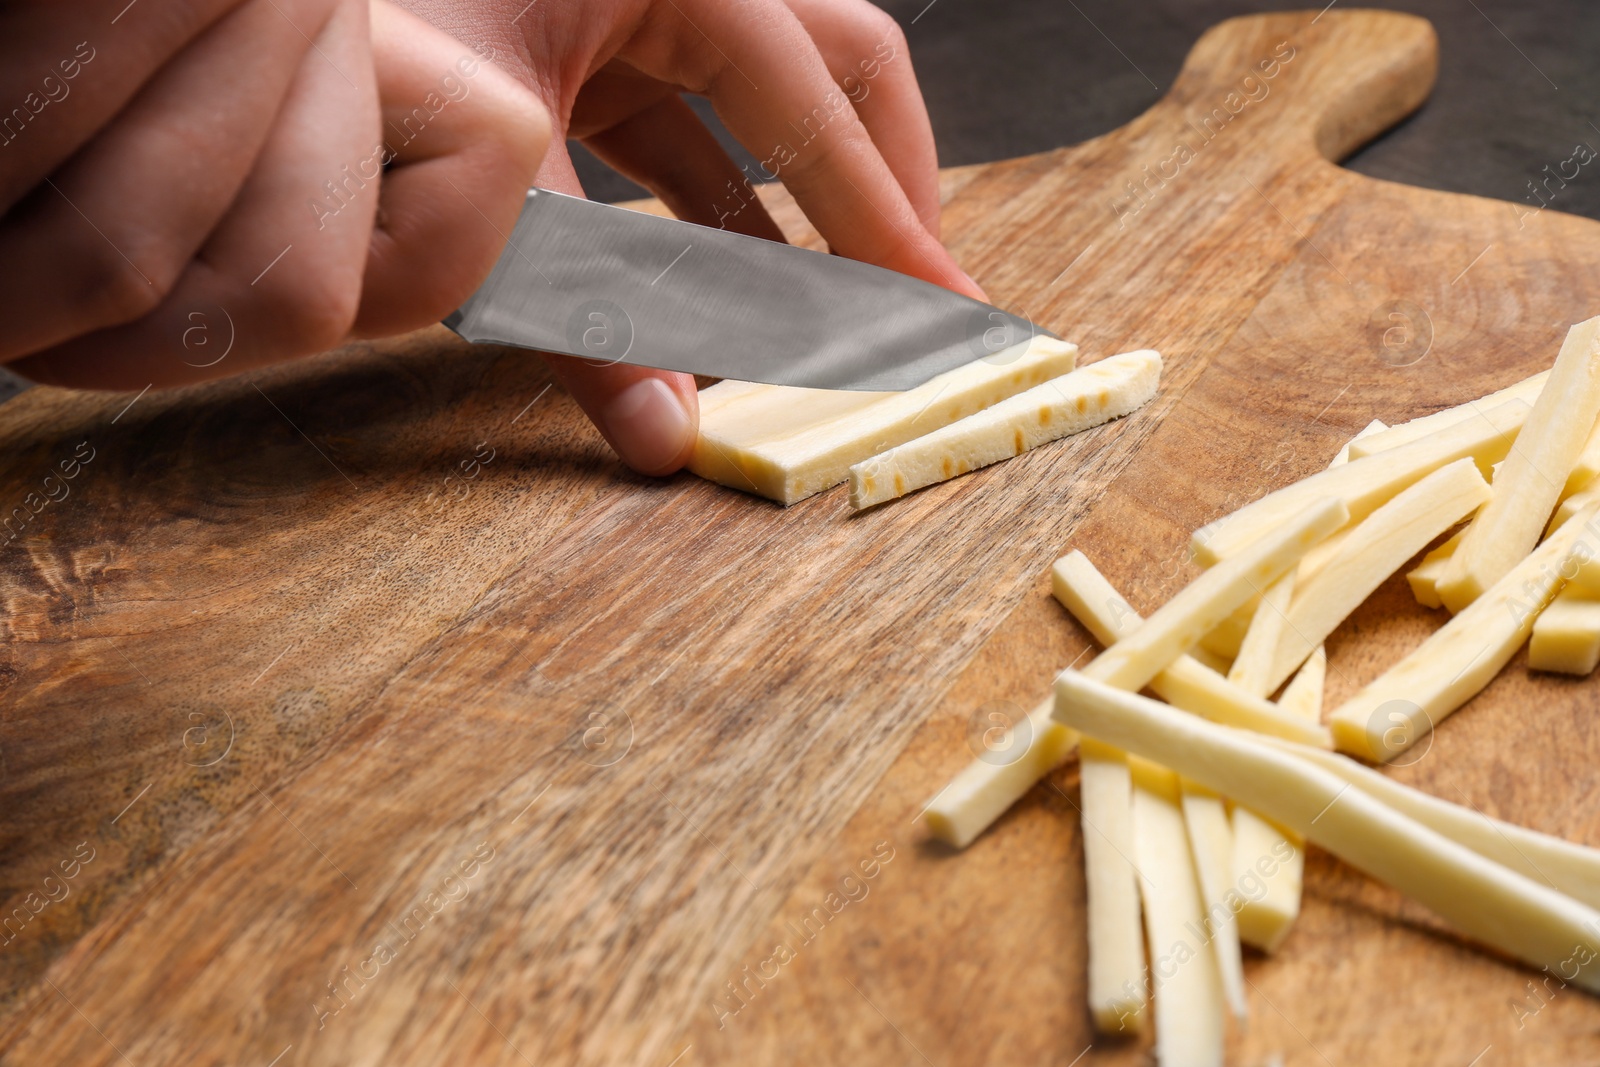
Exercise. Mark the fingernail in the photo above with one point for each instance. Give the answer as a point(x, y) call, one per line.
point(976, 287)
point(648, 425)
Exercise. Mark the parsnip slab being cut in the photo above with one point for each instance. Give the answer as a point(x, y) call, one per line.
point(1205, 817)
point(985, 788)
point(1462, 656)
point(1185, 683)
point(787, 443)
point(1566, 635)
point(1364, 484)
point(1560, 864)
point(1188, 986)
point(1535, 472)
point(1374, 549)
point(1117, 983)
point(1404, 433)
point(1268, 863)
point(1486, 901)
point(1087, 397)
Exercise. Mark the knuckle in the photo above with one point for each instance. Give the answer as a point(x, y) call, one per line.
point(877, 26)
point(113, 290)
point(313, 311)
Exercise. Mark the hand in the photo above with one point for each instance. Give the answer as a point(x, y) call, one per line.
point(821, 91)
point(306, 170)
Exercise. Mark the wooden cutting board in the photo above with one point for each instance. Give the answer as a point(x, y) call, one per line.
point(379, 718)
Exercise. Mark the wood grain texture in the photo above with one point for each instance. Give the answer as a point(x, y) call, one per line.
point(660, 723)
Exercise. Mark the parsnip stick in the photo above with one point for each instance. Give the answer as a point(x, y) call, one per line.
point(1586, 466)
point(1253, 664)
point(1225, 641)
point(1566, 635)
point(1424, 580)
point(1571, 506)
point(1174, 627)
point(1268, 862)
point(1302, 697)
point(1526, 390)
point(1364, 484)
point(1374, 549)
point(1484, 900)
point(1534, 474)
point(1211, 840)
point(1117, 979)
point(1188, 981)
point(1571, 868)
point(1131, 663)
point(982, 791)
point(1185, 683)
point(1072, 403)
point(1463, 655)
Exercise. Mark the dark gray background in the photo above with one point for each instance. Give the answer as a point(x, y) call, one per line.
point(1518, 85)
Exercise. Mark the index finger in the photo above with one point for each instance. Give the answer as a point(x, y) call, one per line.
point(771, 87)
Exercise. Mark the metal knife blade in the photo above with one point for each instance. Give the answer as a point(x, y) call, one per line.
point(619, 286)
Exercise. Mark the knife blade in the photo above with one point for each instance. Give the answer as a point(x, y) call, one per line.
point(620, 286)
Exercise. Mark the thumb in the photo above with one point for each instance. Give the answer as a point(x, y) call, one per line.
point(649, 417)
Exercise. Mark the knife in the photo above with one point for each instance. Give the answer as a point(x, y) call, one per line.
point(607, 283)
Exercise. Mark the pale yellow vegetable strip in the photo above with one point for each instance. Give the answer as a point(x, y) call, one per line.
point(1535, 472)
point(1267, 870)
point(1566, 635)
point(1174, 627)
point(1254, 662)
point(1185, 683)
point(1302, 697)
point(1188, 982)
point(1224, 642)
point(1424, 580)
point(1253, 657)
point(1087, 397)
point(1364, 484)
point(1587, 465)
point(986, 787)
point(1211, 840)
point(1268, 863)
point(1486, 901)
point(1377, 547)
point(1526, 390)
point(787, 443)
point(1463, 655)
point(1131, 663)
point(1571, 506)
point(1586, 582)
point(1117, 985)
point(1571, 868)
point(1209, 659)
